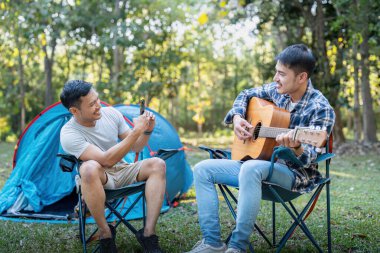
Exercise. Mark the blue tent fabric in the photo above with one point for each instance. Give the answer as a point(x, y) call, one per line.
point(36, 165)
point(177, 168)
point(37, 181)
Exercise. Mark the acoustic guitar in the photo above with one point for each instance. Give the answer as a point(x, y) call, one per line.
point(268, 121)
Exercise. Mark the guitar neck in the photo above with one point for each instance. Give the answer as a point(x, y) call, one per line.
point(272, 132)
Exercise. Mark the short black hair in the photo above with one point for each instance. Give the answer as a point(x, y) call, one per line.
point(72, 92)
point(297, 57)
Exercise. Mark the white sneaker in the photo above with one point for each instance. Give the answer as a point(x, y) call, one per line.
point(232, 250)
point(202, 247)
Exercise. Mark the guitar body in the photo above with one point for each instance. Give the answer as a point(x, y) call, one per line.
point(260, 113)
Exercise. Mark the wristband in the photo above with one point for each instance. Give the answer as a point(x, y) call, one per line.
point(148, 132)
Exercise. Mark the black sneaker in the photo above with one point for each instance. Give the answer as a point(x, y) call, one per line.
point(107, 245)
point(150, 243)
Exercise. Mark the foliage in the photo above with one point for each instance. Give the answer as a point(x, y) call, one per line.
point(177, 54)
point(355, 215)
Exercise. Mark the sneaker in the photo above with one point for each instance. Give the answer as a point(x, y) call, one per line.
point(107, 245)
point(150, 243)
point(202, 247)
point(232, 250)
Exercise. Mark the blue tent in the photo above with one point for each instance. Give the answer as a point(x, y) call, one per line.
point(38, 189)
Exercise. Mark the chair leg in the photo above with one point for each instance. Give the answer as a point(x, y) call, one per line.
point(90, 238)
point(328, 217)
point(227, 194)
point(298, 219)
point(143, 206)
point(113, 210)
point(304, 227)
point(297, 222)
point(223, 190)
point(82, 223)
point(263, 235)
point(274, 224)
point(229, 237)
point(251, 248)
point(122, 217)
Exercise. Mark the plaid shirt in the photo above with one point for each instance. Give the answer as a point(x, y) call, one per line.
point(313, 110)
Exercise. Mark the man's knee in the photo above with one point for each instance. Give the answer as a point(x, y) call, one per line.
point(253, 169)
point(158, 166)
point(201, 170)
point(89, 171)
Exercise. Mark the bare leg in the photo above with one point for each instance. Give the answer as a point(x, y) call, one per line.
point(92, 180)
point(153, 171)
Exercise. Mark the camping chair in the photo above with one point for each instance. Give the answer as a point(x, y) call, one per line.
point(277, 194)
point(115, 198)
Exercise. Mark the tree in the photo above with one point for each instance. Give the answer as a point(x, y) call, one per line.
point(369, 119)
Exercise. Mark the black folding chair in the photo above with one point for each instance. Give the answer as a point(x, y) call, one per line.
point(114, 199)
point(276, 194)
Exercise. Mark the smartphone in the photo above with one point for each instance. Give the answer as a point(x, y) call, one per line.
point(142, 106)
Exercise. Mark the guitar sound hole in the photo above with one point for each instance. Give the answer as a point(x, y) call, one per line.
point(256, 131)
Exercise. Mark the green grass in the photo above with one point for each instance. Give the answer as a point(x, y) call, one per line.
point(355, 217)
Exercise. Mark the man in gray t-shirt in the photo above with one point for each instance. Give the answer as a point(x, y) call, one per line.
point(75, 138)
point(92, 135)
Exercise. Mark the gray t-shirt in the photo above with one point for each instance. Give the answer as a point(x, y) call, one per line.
point(75, 138)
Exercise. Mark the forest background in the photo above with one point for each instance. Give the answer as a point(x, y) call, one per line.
point(188, 59)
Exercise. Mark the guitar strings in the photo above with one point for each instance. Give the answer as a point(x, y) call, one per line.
point(269, 130)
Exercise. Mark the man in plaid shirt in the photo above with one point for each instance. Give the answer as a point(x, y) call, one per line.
point(292, 90)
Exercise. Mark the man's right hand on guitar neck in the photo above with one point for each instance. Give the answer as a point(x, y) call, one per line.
point(241, 128)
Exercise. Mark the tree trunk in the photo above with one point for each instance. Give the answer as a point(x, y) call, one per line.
point(334, 94)
point(187, 96)
point(321, 51)
point(324, 78)
point(100, 74)
point(337, 131)
point(48, 65)
point(68, 58)
point(236, 76)
point(22, 87)
point(357, 126)
point(200, 129)
point(171, 109)
point(48, 79)
point(116, 50)
point(369, 121)
point(84, 61)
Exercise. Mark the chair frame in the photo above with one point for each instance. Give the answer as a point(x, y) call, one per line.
point(276, 194)
point(114, 199)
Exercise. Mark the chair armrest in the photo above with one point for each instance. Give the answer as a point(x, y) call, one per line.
point(68, 162)
point(324, 157)
point(165, 154)
point(217, 153)
point(286, 154)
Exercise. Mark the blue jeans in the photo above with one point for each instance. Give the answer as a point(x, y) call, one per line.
point(248, 177)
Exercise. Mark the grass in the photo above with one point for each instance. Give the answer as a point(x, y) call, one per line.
point(355, 216)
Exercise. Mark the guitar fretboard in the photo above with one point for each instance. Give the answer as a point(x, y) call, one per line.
point(270, 132)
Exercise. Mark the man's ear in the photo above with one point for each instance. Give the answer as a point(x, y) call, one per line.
point(73, 110)
point(303, 77)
